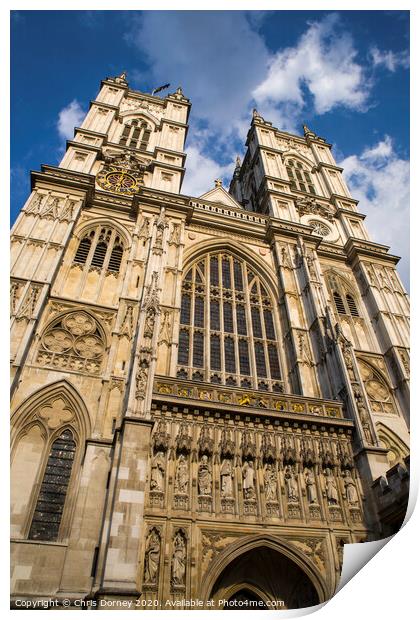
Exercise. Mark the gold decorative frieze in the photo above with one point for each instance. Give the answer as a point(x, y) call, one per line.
point(222, 395)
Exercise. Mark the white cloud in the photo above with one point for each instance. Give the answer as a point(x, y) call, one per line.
point(389, 59)
point(380, 180)
point(222, 62)
point(216, 55)
point(324, 62)
point(381, 151)
point(218, 58)
point(68, 118)
point(202, 171)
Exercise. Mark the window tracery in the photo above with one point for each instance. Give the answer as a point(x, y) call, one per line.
point(136, 134)
point(379, 394)
point(74, 341)
point(344, 298)
point(319, 228)
point(100, 248)
point(300, 178)
point(347, 306)
point(397, 449)
point(227, 332)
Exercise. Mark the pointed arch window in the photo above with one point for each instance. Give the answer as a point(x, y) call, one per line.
point(228, 330)
point(348, 307)
point(49, 507)
point(135, 134)
point(345, 304)
point(300, 178)
point(101, 248)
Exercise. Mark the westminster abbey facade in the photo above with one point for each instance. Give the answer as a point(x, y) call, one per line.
point(209, 394)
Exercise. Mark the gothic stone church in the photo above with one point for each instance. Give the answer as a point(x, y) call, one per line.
point(209, 394)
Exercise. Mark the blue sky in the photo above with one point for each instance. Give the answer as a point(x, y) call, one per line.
point(345, 74)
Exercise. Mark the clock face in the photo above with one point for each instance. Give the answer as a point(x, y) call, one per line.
point(118, 181)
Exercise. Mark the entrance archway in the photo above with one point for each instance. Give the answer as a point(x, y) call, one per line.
point(260, 576)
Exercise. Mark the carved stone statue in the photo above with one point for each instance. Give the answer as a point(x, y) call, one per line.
point(159, 236)
point(165, 327)
point(141, 381)
point(350, 486)
point(310, 486)
point(248, 475)
point(181, 475)
point(176, 234)
point(149, 322)
point(204, 476)
point(348, 360)
point(364, 418)
point(291, 484)
point(367, 433)
point(179, 560)
point(285, 259)
point(158, 472)
point(330, 487)
point(161, 224)
point(151, 558)
point(226, 475)
point(310, 261)
point(270, 483)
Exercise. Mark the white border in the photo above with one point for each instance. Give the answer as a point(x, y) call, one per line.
point(386, 586)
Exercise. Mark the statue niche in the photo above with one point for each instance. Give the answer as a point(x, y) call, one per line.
point(179, 561)
point(152, 560)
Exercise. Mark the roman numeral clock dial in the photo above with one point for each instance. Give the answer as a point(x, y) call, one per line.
point(118, 181)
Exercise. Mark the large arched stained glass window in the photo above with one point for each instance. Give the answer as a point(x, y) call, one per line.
point(228, 326)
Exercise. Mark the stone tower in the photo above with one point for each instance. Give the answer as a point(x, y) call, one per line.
point(206, 392)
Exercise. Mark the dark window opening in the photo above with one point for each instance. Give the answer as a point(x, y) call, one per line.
point(52, 495)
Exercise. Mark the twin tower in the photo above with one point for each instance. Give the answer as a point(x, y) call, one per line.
point(209, 394)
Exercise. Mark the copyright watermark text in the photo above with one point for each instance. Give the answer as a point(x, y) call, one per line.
point(141, 603)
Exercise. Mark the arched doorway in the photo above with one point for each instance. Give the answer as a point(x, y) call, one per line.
point(260, 576)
